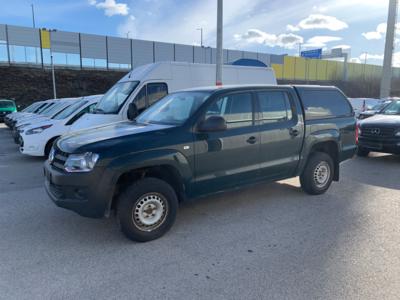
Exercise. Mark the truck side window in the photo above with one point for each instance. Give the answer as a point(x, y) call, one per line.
point(274, 106)
point(155, 91)
point(140, 100)
point(324, 104)
point(237, 109)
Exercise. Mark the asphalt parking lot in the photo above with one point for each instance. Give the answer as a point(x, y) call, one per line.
point(270, 241)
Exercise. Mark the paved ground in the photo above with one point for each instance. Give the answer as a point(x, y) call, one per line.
point(267, 242)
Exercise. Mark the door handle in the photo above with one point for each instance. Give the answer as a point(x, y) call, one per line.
point(252, 140)
point(293, 132)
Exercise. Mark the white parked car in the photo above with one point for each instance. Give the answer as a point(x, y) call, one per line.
point(147, 84)
point(48, 113)
point(37, 139)
point(42, 107)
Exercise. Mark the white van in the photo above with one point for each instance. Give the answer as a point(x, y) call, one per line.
point(147, 84)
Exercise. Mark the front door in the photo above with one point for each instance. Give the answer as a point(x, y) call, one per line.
point(228, 158)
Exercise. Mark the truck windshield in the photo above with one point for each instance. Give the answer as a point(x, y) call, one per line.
point(6, 104)
point(392, 109)
point(113, 100)
point(173, 109)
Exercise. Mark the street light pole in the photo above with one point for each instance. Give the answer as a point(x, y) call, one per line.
point(220, 53)
point(33, 16)
point(201, 36)
point(386, 80)
point(52, 68)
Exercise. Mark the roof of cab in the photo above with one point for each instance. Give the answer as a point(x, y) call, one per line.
point(249, 86)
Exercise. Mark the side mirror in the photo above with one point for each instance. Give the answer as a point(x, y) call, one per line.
point(212, 124)
point(132, 111)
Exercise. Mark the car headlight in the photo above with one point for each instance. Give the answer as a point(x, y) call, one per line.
point(397, 133)
point(38, 129)
point(81, 162)
point(52, 154)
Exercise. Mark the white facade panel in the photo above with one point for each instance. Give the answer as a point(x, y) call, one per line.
point(93, 46)
point(23, 36)
point(234, 55)
point(183, 53)
point(119, 50)
point(142, 52)
point(250, 55)
point(3, 36)
point(163, 51)
point(64, 42)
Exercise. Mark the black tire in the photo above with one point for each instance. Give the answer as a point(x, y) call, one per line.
point(48, 147)
point(310, 177)
point(154, 192)
point(362, 152)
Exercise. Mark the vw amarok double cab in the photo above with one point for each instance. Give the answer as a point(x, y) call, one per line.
point(147, 84)
point(197, 142)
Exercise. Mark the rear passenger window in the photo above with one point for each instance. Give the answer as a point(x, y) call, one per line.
point(275, 106)
point(155, 91)
point(237, 110)
point(324, 104)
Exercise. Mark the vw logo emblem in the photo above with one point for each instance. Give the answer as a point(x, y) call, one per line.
point(375, 130)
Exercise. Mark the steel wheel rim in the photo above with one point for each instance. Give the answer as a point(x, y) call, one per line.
point(150, 211)
point(322, 174)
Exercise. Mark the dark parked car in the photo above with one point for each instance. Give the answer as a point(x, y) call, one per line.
point(374, 110)
point(197, 142)
point(6, 107)
point(380, 133)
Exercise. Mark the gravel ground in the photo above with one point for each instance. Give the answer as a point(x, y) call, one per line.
point(270, 241)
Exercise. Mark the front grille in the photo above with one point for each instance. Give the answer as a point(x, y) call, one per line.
point(377, 131)
point(59, 159)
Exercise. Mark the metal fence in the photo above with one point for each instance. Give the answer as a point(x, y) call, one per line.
point(35, 47)
point(23, 45)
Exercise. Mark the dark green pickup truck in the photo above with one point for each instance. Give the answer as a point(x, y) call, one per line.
point(197, 142)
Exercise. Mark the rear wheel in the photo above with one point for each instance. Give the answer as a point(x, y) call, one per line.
point(318, 174)
point(362, 152)
point(147, 209)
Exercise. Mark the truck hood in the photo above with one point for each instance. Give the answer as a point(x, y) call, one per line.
point(383, 120)
point(71, 142)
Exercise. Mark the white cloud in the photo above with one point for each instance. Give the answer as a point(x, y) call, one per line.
point(111, 8)
point(377, 34)
point(319, 21)
point(344, 47)
point(380, 32)
point(320, 41)
point(288, 41)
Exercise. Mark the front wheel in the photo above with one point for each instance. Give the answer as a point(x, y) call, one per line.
point(147, 209)
point(318, 174)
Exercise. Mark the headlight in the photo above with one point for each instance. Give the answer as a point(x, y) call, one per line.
point(397, 133)
point(51, 155)
point(38, 129)
point(81, 162)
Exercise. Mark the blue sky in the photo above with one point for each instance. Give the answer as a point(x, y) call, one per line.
point(259, 25)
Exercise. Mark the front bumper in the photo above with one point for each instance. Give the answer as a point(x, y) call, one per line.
point(380, 145)
point(88, 194)
point(31, 145)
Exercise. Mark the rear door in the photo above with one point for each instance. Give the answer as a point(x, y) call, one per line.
point(228, 158)
point(281, 133)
